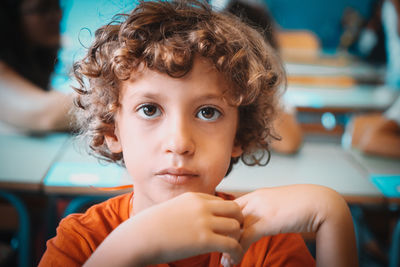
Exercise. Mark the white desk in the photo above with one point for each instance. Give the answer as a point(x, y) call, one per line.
point(354, 69)
point(316, 163)
point(353, 98)
point(331, 96)
point(376, 164)
point(24, 160)
point(77, 172)
point(381, 169)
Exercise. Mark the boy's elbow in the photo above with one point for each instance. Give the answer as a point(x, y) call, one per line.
point(334, 205)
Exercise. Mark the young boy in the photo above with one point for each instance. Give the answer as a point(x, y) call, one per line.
point(178, 93)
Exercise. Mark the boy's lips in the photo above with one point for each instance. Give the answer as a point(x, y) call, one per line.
point(176, 176)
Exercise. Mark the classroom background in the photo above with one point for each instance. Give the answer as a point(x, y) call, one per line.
point(332, 79)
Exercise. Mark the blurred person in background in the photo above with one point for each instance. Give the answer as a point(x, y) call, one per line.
point(370, 42)
point(379, 134)
point(256, 14)
point(30, 34)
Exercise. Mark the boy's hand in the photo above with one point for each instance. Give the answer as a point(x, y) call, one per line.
point(302, 208)
point(188, 225)
point(287, 209)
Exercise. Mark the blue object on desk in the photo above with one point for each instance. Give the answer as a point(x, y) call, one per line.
point(70, 174)
point(389, 185)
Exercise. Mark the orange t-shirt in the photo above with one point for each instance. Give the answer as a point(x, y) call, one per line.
point(78, 235)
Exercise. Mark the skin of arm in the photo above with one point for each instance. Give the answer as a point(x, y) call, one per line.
point(290, 131)
point(302, 208)
point(374, 134)
point(361, 124)
point(24, 105)
point(382, 138)
point(187, 225)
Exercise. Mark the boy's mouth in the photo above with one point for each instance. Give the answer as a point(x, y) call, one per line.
point(176, 176)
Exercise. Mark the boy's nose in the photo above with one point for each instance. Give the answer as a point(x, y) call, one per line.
point(179, 138)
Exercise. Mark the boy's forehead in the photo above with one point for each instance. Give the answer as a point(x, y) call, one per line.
point(200, 66)
point(202, 69)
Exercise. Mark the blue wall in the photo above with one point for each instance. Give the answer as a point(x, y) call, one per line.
point(320, 16)
point(82, 18)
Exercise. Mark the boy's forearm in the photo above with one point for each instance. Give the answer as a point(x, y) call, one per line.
point(335, 238)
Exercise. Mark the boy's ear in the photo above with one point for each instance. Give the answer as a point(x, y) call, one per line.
point(113, 143)
point(237, 151)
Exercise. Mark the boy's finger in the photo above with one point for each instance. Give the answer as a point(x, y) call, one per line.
point(241, 201)
point(226, 226)
point(227, 208)
point(229, 245)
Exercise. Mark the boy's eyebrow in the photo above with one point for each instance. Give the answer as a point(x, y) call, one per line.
point(144, 95)
point(150, 95)
point(211, 96)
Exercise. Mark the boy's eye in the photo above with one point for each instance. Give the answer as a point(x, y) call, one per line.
point(208, 114)
point(149, 111)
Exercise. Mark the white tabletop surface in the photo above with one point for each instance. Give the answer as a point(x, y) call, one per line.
point(316, 163)
point(354, 69)
point(355, 97)
point(24, 161)
point(376, 164)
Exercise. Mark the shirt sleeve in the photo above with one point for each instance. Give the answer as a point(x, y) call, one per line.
point(68, 247)
point(78, 235)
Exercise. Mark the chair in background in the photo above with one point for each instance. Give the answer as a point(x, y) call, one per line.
point(81, 203)
point(394, 257)
point(299, 45)
point(23, 233)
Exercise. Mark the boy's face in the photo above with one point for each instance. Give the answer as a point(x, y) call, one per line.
point(177, 135)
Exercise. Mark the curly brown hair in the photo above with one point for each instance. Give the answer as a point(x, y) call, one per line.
point(166, 36)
